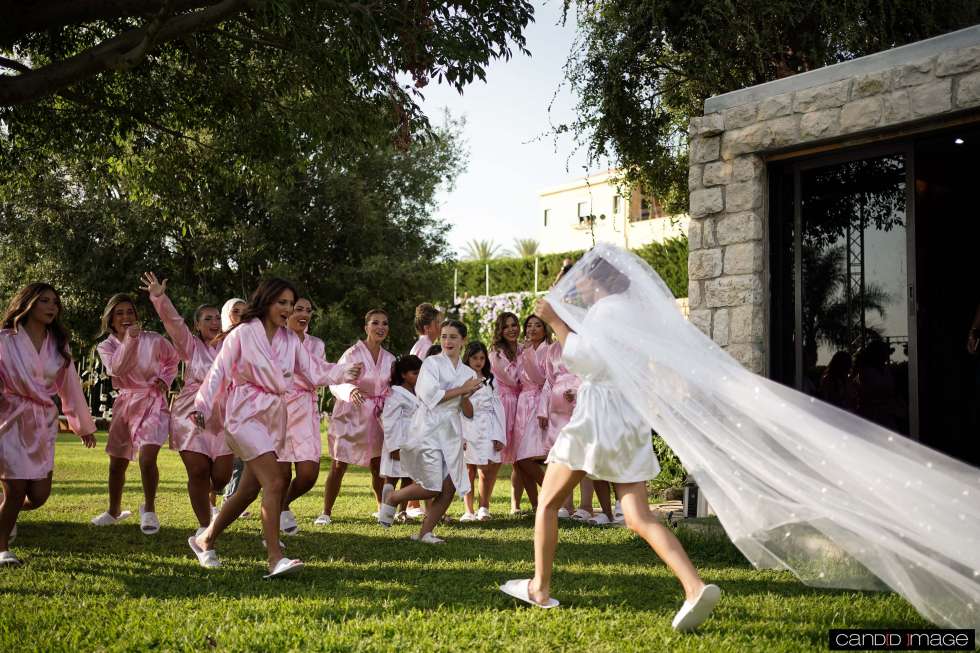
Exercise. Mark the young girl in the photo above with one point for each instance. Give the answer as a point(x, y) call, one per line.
point(302, 445)
point(433, 452)
point(35, 364)
point(531, 429)
point(427, 320)
point(205, 453)
point(355, 435)
point(255, 369)
point(505, 362)
point(400, 407)
point(142, 365)
point(484, 434)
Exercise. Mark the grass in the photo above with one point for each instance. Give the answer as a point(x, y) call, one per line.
point(114, 589)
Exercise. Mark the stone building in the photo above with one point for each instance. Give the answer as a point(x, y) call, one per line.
point(833, 218)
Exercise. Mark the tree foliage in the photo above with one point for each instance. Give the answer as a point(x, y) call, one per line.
point(643, 68)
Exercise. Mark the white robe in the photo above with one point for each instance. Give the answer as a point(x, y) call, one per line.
point(488, 425)
point(400, 407)
point(434, 448)
point(605, 436)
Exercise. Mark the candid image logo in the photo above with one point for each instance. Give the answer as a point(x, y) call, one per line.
point(927, 639)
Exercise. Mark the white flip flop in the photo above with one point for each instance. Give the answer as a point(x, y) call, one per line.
point(693, 613)
point(519, 590)
point(599, 519)
point(581, 515)
point(149, 522)
point(8, 559)
point(287, 523)
point(284, 567)
point(207, 559)
point(105, 519)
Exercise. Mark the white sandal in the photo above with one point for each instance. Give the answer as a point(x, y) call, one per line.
point(599, 520)
point(105, 519)
point(206, 558)
point(149, 522)
point(519, 590)
point(693, 613)
point(581, 515)
point(287, 523)
point(8, 559)
point(284, 567)
point(322, 520)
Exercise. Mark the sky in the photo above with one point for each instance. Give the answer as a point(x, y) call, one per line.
point(512, 155)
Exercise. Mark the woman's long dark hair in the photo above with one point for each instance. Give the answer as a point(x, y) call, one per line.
point(20, 307)
point(475, 348)
point(547, 329)
point(261, 300)
point(499, 343)
point(403, 365)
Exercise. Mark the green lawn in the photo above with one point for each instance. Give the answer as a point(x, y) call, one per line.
point(364, 588)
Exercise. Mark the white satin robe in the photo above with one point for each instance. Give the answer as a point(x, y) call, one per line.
point(400, 407)
point(434, 448)
point(488, 425)
point(260, 375)
point(28, 416)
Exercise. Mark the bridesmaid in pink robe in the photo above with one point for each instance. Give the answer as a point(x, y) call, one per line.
point(35, 364)
point(427, 325)
point(206, 456)
point(531, 429)
point(303, 446)
point(255, 371)
point(356, 434)
point(142, 365)
point(557, 402)
point(505, 362)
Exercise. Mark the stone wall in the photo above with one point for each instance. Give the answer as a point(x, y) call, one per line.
point(727, 181)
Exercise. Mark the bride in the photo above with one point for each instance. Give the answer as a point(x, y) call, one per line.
point(797, 484)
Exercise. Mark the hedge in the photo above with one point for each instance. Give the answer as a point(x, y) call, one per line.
point(509, 275)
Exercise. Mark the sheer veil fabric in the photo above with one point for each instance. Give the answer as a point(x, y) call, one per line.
point(797, 484)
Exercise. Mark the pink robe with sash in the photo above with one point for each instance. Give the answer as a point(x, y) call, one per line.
point(531, 439)
point(28, 415)
point(257, 375)
point(303, 423)
point(554, 406)
point(507, 380)
point(198, 357)
point(140, 415)
point(356, 435)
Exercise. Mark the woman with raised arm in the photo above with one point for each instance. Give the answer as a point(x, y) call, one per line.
point(142, 365)
point(255, 368)
point(204, 452)
point(35, 364)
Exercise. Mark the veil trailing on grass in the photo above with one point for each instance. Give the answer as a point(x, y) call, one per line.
point(797, 484)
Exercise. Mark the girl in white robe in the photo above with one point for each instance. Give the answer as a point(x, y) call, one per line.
point(484, 435)
point(396, 419)
point(433, 453)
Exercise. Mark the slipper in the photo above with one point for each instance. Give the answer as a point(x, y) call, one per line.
point(693, 613)
point(8, 559)
point(599, 520)
point(207, 559)
point(483, 514)
point(519, 590)
point(428, 538)
point(564, 514)
point(468, 516)
point(287, 523)
point(415, 513)
point(322, 520)
point(581, 515)
point(284, 567)
point(105, 519)
point(149, 523)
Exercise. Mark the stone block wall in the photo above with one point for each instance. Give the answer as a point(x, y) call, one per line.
point(728, 187)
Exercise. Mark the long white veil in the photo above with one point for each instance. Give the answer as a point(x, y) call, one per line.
point(797, 483)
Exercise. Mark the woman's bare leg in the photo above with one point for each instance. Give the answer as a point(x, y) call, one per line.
point(440, 504)
point(488, 477)
point(198, 468)
point(559, 481)
point(331, 487)
point(468, 497)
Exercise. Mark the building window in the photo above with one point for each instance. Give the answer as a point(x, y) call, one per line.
point(583, 211)
point(645, 213)
point(617, 200)
point(546, 212)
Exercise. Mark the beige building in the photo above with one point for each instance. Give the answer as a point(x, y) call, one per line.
point(592, 209)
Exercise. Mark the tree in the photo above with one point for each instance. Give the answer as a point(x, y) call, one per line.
point(526, 247)
point(643, 68)
point(481, 250)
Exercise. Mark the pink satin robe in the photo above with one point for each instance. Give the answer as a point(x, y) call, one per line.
point(421, 346)
point(303, 422)
point(507, 379)
point(198, 357)
point(257, 376)
point(28, 416)
point(554, 406)
point(140, 415)
point(531, 439)
point(356, 435)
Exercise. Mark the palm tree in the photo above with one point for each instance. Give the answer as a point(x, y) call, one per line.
point(481, 250)
point(526, 247)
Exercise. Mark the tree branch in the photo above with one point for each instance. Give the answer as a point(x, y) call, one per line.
point(120, 52)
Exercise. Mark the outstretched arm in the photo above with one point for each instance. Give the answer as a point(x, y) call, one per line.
point(544, 310)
